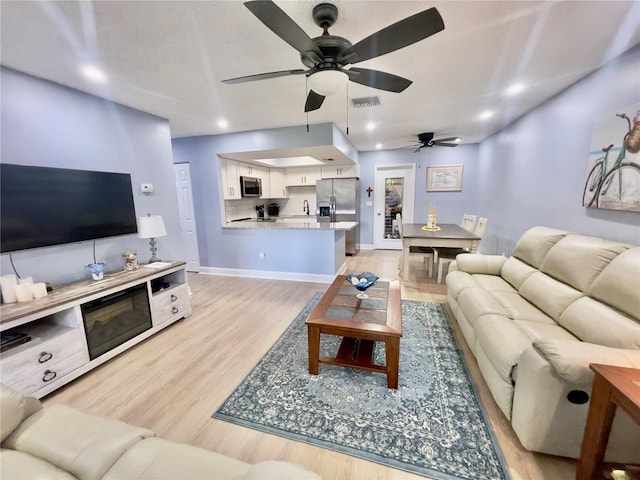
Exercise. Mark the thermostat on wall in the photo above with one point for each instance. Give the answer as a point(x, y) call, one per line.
point(146, 187)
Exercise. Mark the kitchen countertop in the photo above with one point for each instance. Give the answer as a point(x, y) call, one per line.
point(290, 223)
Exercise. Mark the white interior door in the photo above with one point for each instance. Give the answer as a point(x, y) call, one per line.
point(187, 217)
point(395, 193)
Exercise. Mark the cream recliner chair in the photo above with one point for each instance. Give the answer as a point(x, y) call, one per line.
point(62, 443)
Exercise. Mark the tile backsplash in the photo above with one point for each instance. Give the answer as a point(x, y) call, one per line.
point(293, 205)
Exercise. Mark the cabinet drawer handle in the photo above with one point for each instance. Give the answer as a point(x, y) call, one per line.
point(173, 298)
point(175, 310)
point(45, 357)
point(48, 375)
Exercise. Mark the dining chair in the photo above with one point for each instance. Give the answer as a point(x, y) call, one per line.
point(468, 221)
point(448, 255)
point(426, 252)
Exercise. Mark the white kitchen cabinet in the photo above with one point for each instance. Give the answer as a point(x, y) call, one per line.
point(341, 171)
point(277, 183)
point(302, 176)
point(230, 180)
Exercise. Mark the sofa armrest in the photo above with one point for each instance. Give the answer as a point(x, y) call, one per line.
point(570, 360)
point(476, 263)
point(82, 444)
point(14, 408)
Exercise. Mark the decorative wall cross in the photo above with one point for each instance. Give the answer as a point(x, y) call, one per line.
point(369, 190)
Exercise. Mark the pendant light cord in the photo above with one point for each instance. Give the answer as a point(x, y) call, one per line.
point(13, 266)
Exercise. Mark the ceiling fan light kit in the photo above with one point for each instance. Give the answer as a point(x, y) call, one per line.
point(328, 82)
point(328, 56)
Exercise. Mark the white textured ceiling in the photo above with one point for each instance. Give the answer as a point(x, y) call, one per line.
point(168, 58)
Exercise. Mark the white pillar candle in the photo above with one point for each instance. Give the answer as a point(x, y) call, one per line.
point(39, 290)
point(24, 292)
point(25, 281)
point(8, 286)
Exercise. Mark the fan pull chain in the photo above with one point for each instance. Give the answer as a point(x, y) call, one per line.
point(306, 88)
point(347, 108)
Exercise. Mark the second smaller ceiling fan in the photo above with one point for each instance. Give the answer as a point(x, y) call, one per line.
point(426, 140)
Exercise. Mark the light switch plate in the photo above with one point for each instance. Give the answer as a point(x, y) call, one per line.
point(146, 188)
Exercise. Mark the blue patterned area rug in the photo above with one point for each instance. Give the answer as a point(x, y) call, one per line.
point(433, 425)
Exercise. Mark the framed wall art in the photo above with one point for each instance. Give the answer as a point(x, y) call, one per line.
point(444, 178)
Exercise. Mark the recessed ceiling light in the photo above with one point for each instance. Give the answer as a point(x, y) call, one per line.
point(457, 140)
point(486, 115)
point(371, 126)
point(223, 123)
point(94, 73)
point(515, 89)
point(378, 146)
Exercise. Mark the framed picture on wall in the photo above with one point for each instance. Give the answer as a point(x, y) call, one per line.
point(444, 178)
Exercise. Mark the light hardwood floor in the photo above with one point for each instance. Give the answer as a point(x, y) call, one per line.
point(172, 382)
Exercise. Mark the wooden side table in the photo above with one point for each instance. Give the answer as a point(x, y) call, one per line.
point(613, 387)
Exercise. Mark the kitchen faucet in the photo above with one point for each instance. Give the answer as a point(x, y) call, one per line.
point(305, 207)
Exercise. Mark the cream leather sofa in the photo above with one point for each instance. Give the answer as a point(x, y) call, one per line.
point(536, 320)
point(59, 442)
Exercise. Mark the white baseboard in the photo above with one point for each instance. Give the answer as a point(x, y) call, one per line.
point(366, 246)
point(292, 276)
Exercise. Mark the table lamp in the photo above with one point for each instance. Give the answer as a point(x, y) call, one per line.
point(151, 227)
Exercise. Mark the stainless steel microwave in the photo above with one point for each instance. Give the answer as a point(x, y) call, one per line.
point(250, 186)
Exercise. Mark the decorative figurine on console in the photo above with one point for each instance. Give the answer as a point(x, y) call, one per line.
point(130, 260)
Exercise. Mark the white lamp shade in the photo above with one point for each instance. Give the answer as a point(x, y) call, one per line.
point(151, 226)
point(326, 82)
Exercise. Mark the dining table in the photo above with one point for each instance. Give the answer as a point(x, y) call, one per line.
point(443, 235)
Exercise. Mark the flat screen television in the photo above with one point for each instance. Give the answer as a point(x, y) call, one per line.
point(43, 206)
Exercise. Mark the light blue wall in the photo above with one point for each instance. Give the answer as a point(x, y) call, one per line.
point(450, 206)
point(533, 172)
point(45, 124)
point(288, 251)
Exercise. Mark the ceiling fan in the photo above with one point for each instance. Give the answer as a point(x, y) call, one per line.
point(425, 140)
point(328, 56)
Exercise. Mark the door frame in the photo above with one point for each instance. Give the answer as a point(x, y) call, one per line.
point(187, 215)
point(408, 172)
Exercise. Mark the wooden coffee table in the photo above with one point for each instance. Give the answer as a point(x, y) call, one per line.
point(360, 323)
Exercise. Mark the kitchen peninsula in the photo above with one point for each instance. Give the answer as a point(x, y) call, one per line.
point(289, 248)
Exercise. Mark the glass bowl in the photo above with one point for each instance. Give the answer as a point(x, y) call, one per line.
point(362, 281)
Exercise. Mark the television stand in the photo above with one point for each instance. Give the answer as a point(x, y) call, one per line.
point(58, 351)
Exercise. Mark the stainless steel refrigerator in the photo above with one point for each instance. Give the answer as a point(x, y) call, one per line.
point(338, 200)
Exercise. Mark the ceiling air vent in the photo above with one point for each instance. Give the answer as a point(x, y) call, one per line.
point(364, 102)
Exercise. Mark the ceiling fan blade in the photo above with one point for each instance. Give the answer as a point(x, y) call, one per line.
point(377, 79)
point(418, 149)
point(264, 76)
point(282, 25)
point(448, 139)
point(399, 35)
point(314, 101)
point(441, 144)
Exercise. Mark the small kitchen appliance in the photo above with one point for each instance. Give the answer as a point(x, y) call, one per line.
point(273, 209)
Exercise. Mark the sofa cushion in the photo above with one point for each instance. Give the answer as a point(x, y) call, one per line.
point(535, 243)
point(476, 301)
point(156, 458)
point(619, 283)
point(516, 272)
point(493, 283)
point(577, 260)
point(570, 360)
point(82, 444)
point(535, 330)
point(549, 295)
point(14, 408)
point(594, 322)
point(16, 465)
point(519, 308)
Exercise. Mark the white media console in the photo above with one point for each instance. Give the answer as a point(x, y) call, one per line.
point(62, 346)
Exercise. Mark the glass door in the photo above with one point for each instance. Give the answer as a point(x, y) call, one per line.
point(394, 198)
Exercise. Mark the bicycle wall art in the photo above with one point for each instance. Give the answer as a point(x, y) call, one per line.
point(613, 174)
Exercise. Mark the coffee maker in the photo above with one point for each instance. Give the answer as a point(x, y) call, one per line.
point(260, 210)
